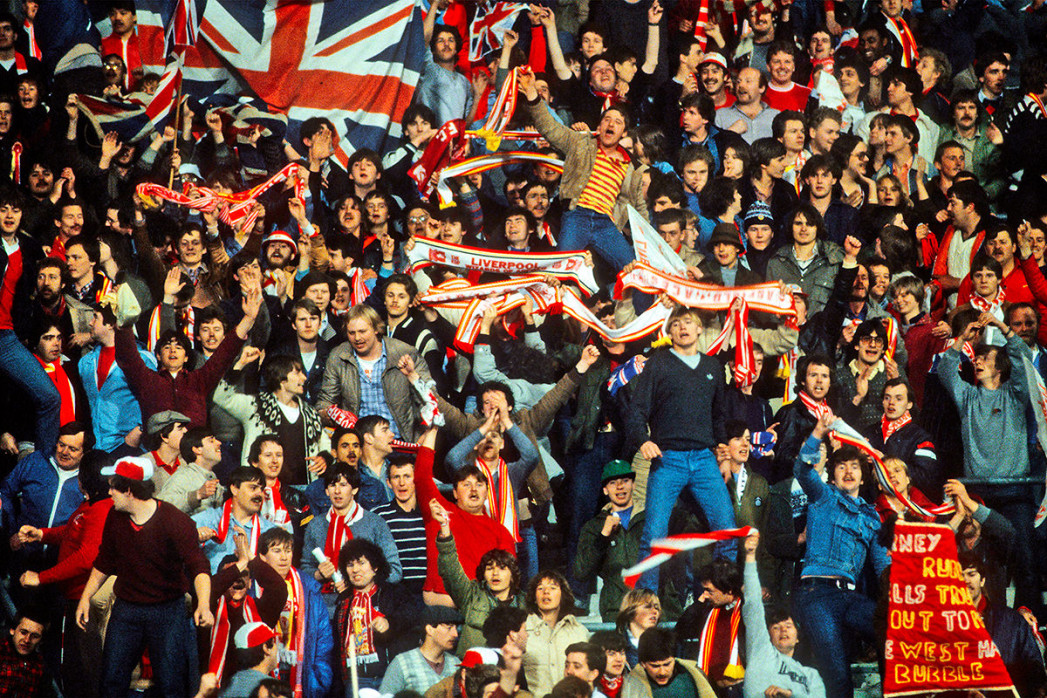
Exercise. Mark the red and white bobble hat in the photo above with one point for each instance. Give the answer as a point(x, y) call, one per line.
point(281, 236)
point(131, 467)
point(480, 655)
point(252, 635)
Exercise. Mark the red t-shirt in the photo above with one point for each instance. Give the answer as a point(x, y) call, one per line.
point(12, 274)
point(795, 98)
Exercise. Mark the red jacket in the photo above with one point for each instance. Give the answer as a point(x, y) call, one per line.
point(474, 534)
point(186, 392)
point(78, 542)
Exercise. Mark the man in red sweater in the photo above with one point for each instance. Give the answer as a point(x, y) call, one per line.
point(153, 550)
point(175, 386)
point(474, 531)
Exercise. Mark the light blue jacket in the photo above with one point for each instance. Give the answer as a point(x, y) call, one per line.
point(114, 408)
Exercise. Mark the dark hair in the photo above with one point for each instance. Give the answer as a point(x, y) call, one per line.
point(141, 490)
point(467, 472)
point(367, 424)
point(608, 640)
point(895, 382)
point(776, 614)
point(763, 150)
point(276, 371)
point(356, 548)
point(845, 454)
point(783, 117)
point(735, 428)
point(567, 604)
point(92, 483)
point(179, 338)
point(501, 621)
point(502, 558)
point(498, 386)
point(968, 191)
point(339, 470)
point(982, 261)
point(666, 185)
point(809, 212)
point(907, 126)
point(852, 61)
point(1002, 362)
point(246, 473)
point(256, 446)
point(415, 110)
point(809, 360)
point(908, 77)
point(702, 102)
point(595, 658)
point(571, 687)
point(193, 438)
point(819, 163)
point(724, 575)
point(1033, 74)
point(655, 142)
point(90, 247)
point(209, 313)
point(445, 29)
point(253, 656)
point(274, 536)
point(404, 280)
point(717, 196)
point(939, 152)
point(656, 644)
point(668, 217)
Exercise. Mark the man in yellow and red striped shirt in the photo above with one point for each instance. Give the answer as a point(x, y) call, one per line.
point(598, 173)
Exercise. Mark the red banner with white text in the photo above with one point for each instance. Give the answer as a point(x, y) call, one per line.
point(936, 640)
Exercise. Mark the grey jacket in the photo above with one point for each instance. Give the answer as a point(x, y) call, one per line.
point(341, 386)
point(816, 280)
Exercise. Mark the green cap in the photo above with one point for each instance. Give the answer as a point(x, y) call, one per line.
point(616, 469)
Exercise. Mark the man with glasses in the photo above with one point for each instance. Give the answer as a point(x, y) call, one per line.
point(862, 374)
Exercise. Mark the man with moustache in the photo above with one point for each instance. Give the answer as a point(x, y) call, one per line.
point(216, 526)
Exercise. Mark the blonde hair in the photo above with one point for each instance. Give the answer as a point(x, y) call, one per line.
point(633, 601)
point(362, 311)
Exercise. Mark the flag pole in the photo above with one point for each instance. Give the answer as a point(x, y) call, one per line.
point(177, 122)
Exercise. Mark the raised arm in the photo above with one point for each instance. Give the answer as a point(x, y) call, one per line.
point(810, 453)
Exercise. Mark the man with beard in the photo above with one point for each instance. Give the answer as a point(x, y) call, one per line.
point(753, 50)
point(537, 196)
point(749, 116)
point(216, 525)
point(279, 252)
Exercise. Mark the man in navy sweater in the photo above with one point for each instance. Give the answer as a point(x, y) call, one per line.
point(676, 420)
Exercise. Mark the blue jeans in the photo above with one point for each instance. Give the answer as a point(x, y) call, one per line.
point(164, 629)
point(527, 552)
point(670, 474)
point(22, 368)
point(585, 490)
point(832, 618)
point(582, 227)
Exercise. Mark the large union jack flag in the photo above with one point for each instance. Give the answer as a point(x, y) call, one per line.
point(355, 62)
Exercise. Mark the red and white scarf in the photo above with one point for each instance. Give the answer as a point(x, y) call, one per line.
point(744, 358)
point(448, 145)
point(1035, 99)
point(234, 209)
point(899, 28)
point(482, 163)
point(186, 317)
point(16, 160)
point(338, 532)
point(766, 297)
point(220, 633)
point(707, 649)
point(30, 35)
point(501, 504)
point(664, 548)
point(818, 409)
point(993, 307)
point(223, 527)
point(273, 509)
point(574, 266)
point(700, 22)
point(889, 426)
point(296, 610)
point(358, 621)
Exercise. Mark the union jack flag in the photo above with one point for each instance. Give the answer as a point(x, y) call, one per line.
point(355, 62)
point(489, 25)
point(138, 115)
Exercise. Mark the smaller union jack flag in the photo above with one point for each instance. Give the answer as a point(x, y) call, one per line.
point(489, 25)
point(139, 114)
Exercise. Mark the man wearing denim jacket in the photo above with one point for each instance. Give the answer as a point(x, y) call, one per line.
point(842, 533)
